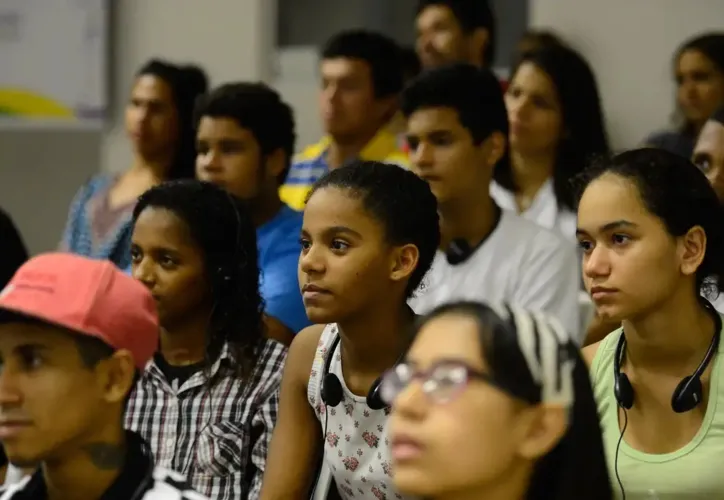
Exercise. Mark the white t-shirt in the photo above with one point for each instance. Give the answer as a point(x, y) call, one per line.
point(544, 210)
point(519, 263)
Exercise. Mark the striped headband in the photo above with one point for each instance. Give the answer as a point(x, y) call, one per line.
point(548, 351)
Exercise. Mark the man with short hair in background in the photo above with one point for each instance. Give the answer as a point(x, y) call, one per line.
point(362, 75)
point(455, 31)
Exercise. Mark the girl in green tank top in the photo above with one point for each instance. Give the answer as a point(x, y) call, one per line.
point(649, 225)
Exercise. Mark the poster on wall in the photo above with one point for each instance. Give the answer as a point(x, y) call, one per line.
point(54, 63)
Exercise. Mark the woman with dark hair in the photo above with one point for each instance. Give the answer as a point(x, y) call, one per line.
point(207, 402)
point(364, 252)
point(494, 402)
point(699, 73)
point(650, 228)
point(535, 39)
point(160, 125)
point(556, 126)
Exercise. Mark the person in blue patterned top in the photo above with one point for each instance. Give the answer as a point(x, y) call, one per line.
point(158, 122)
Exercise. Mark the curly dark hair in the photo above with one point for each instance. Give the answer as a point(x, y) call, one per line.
point(230, 257)
point(399, 200)
point(258, 108)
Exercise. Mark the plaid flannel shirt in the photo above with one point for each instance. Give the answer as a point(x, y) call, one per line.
point(218, 437)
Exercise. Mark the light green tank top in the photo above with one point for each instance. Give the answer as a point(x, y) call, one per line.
point(694, 472)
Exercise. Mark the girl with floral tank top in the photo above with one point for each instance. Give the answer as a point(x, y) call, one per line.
point(369, 235)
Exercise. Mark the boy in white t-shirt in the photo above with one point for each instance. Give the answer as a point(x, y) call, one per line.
point(457, 129)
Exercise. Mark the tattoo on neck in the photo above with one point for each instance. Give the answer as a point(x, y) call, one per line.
point(106, 456)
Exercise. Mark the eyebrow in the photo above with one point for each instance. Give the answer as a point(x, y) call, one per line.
point(30, 347)
point(610, 226)
point(430, 133)
point(157, 249)
point(336, 230)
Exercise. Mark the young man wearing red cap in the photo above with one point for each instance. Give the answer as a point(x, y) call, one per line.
point(74, 334)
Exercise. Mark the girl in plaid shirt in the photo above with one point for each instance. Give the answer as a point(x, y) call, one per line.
point(207, 401)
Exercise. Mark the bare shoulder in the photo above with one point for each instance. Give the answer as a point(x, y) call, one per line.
point(303, 348)
point(589, 353)
point(307, 339)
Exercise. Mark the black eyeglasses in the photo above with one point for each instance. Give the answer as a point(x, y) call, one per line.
point(442, 382)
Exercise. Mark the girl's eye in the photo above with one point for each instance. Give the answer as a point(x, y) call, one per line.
point(339, 245)
point(585, 245)
point(620, 239)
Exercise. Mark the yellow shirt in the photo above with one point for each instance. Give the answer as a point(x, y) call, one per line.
point(311, 164)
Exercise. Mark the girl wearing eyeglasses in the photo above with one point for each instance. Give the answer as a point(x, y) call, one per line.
point(494, 403)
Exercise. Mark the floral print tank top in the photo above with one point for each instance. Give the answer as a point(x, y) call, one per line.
point(356, 447)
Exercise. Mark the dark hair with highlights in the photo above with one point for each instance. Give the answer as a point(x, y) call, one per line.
point(221, 226)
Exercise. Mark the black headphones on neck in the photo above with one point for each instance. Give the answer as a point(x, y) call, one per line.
point(688, 394)
point(332, 392)
point(460, 250)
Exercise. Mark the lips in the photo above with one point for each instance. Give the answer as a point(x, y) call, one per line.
point(10, 428)
point(312, 288)
point(601, 292)
point(405, 448)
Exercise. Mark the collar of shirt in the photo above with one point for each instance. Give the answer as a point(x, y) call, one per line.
point(224, 362)
point(135, 477)
point(382, 146)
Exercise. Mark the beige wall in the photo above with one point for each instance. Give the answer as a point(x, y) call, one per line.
point(629, 42)
point(41, 170)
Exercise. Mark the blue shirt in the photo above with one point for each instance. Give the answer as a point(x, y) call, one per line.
point(279, 248)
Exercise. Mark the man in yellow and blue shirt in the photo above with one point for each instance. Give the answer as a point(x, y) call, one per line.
point(362, 76)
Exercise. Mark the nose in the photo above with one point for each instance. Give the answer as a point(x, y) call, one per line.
point(208, 161)
point(596, 264)
point(9, 393)
point(517, 108)
point(143, 272)
point(422, 156)
point(411, 401)
point(142, 114)
point(330, 93)
point(311, 260)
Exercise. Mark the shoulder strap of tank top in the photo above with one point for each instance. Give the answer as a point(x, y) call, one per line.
point(603, 360)
point(326, 340)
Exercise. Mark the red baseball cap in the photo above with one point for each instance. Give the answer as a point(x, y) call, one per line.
point(89, 297)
